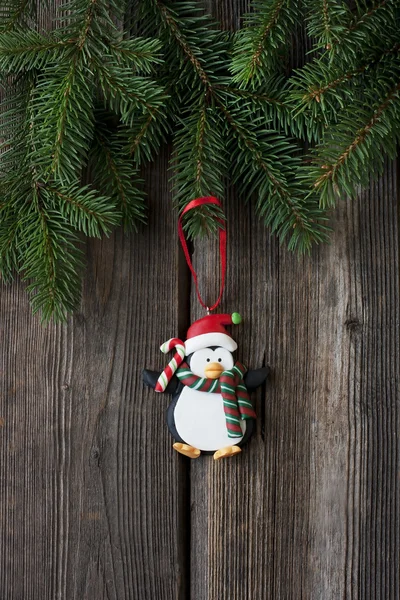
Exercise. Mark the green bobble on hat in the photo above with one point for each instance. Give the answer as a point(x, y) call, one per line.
point(236, 318)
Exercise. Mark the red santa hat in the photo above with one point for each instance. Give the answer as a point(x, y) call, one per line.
point(210, 331)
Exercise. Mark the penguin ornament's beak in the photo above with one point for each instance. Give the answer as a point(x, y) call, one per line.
point(214, 370)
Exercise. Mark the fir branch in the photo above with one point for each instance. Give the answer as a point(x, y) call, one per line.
point(91, 23)
point(173, 24)
point(225, 99)
point(126, 93)
point(346, 157)
point(196, 53)
point(201, 165)
point(269, 99)
point(320, 91)
point(9, 229)
point(12, 13)
point(258, 45)
point(146, 135)
point(327, 21)
point(114, 173)
point(371, 28)
point(140, 54)
point(51, 261)
point(265, 164)
point(363, 17)
point(62, 94)
point(258, 96)
point(61, 97)
point(22, 50)
point(84, 209)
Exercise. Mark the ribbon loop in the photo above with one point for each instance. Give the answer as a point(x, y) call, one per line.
point(222, 248)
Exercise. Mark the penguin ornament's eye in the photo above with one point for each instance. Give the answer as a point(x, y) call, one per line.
point(224, 358)
point(204, 358)
point(200, 359)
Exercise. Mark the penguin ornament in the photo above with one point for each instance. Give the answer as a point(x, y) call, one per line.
point(210, 411)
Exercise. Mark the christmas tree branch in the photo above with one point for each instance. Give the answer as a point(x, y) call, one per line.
point(171, 23)
point(12, 13)
point(141, 53)
point(257, 156)
point(61, 97)
point(250, 94)
point(92, 99)
point(266, 31)
point(22, 51)
point(357, 154)
point(9, 227)
point(51, 261)
point(125, 95)
point(327, 21)
point(361, 19)
point(280, 200)
point(200, 157)
point(84, 209)
point(137, 147)
point(113, 173)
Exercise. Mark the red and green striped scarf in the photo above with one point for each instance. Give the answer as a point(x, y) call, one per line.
point(230, 385)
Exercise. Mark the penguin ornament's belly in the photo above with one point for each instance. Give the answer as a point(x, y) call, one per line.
point(198, 418)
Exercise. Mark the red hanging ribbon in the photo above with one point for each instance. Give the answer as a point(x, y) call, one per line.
point(222, 247)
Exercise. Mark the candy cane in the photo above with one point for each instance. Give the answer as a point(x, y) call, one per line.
point(172, 366)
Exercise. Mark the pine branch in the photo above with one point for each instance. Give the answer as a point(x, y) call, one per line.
point(327, 21)
point(148, 132)
point(259, 45)
point(140, 54)
point(51, 261)
point(83, 208)
point(9, 229)
point(22, 50)
point(14, 129)
point(47, 128)
point(63, 95)
point(374, 20)
point(114, 173)
point(265, 164)
point(14, 13)
point(90, 22)
point(87, 93)
point(201, 166)
point(269, 100)
point(372, 29)
point(321, 90)
point(67, 92)
point(355, 148)
point(174, 23)
point(196, 53)
point(126, 94)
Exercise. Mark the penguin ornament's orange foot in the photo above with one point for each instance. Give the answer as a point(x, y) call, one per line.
point(187, 450)
point(226, 452)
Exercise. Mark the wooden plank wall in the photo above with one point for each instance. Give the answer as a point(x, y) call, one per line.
point(94, 504)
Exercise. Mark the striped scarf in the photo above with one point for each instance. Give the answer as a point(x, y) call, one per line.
point(230, 385)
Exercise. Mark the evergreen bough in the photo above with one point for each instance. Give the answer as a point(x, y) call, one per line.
point(86, 104)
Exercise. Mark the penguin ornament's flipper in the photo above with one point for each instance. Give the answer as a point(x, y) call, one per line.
point(253, 379)
point(150, 379)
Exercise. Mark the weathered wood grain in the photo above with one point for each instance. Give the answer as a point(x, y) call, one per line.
point(95, 505)
point(311, 507)
point(91, 495)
